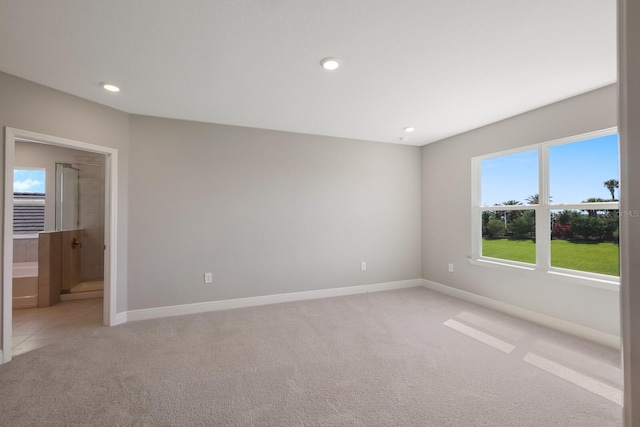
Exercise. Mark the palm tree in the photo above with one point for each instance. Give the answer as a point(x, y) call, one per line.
point(611, 185)
point(511, 215)
point(534, 199)
point(593, 213)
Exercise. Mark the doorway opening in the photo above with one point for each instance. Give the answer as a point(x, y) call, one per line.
point(96, 230)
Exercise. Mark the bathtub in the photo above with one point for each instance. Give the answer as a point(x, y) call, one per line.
point(25, 284)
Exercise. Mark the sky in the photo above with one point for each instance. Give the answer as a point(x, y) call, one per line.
point(577, 172)
point(28, 180)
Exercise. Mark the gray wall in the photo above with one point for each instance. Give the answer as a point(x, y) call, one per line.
point(446, 217)
point(267, 212)
point(29, 106)
point(272, 212)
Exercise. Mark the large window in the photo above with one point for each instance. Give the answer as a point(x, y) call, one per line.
point(550, 207)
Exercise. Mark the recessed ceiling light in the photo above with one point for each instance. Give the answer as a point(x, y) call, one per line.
point(409, 129)
point(330, 63)
point(110, 87)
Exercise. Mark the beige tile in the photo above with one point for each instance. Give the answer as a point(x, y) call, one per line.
point(92, 319)
point(32, 251)
point(19, 250)
point(18, 339)
point(29, 345)
point(23, 315)
point(36, 327)
point(62, 321)
point(30, 327)
point(53, 332)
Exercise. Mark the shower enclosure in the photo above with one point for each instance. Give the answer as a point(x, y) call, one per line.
point(80, 197)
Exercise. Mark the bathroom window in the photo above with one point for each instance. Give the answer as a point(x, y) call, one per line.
point(28, 201)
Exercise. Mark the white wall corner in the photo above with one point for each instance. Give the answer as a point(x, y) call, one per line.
point(120, 318)
point(604, 338)
point(203, 307)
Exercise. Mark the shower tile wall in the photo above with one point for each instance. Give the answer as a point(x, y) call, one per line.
point(25, 250)
point(91, 205)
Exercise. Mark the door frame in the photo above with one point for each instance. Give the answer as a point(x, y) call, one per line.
point(110, 226)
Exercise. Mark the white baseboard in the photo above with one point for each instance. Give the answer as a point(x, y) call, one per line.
point(6, 356)
point(120, 318)
point(201, 307)
point(604, 338)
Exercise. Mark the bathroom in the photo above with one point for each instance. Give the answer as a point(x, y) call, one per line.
point(58, 245)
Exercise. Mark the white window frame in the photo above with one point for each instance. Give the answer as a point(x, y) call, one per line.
point(30, 168)
point(542, 214)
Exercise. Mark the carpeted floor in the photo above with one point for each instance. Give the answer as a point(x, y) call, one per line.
point(410, 357)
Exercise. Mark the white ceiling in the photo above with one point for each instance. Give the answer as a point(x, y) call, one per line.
point(442, 66)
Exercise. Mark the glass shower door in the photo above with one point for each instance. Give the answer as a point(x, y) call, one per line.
point(67, 221)
point(67, 206)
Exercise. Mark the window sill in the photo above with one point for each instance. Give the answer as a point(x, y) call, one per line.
point(25, 236)
point(497, 264)
point(610, 283)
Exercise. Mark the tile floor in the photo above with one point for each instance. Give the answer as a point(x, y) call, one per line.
point(97, 285)
point(37, 327)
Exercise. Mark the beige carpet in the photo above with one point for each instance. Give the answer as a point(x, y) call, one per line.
point(379, 359)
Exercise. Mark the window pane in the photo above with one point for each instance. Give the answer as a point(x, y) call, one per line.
point(509, 179)
point(28, 201)
point(509, 235)
point(586, 241)
point(28, 181)
point(584, 171)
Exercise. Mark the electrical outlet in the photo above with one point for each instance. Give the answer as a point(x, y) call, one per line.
point(208, 277)
point(450, 268)
point(363, 266)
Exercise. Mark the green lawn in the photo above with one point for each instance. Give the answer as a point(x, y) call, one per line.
point(594, 257)
point(514, 250)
